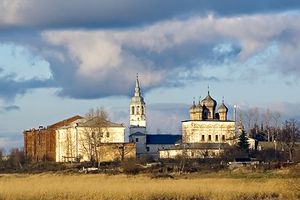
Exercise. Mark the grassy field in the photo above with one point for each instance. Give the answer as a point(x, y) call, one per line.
point(195, 186)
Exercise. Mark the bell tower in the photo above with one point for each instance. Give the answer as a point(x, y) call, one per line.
point(137, 109)
point(137, 129)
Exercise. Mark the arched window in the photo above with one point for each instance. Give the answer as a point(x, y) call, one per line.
point(143, 111)
point(138, 110)
point(132, 110)
point(205, 114)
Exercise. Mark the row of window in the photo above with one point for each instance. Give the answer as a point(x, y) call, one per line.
point(101, 134)
point(210, 138)
point(137, 110)
point(202, 138)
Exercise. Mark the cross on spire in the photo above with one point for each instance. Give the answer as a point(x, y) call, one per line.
point(208, 89)
point(137, 90)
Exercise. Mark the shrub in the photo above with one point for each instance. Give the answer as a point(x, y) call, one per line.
point(130, 166)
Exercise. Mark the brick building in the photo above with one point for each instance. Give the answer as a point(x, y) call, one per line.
point(40, 144)
point(66, 141)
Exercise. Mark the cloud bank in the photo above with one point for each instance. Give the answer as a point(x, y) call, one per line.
point(98, 63)
point(113, 13)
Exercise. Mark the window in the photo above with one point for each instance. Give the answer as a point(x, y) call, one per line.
point(205, 114)
point(223, 137)
point(132, 110)
point(209, 138)
point(107, 134)
point(148, 148)
point(101, 135)
point(192, 154)
point(202, 137)
point(217, 138)
point(39, 138)
point(143, 111)
point(136, 139)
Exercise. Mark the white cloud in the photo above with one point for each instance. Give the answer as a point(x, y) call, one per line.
point(102, 54)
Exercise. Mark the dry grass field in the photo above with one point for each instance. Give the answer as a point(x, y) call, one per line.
point(121, 187)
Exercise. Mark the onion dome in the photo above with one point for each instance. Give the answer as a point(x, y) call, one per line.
point(199, 108)
point(208, 101)
point(193, 107)
point(222, 108)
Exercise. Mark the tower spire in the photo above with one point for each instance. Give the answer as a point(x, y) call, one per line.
point(208, 90)
point(137, 90)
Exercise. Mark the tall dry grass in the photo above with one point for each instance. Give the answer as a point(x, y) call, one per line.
point(121, 187)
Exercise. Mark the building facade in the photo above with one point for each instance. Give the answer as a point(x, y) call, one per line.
point(40, 143)
point(206, 133)
point(85, 139)
point(78, 139)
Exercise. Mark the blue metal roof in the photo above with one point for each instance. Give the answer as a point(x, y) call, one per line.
point(163, 139)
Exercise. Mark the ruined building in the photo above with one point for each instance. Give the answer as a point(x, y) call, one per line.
point(40, 144)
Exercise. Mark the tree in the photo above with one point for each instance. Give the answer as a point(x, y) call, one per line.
point(243, 142)
point(16, 159)
point(95, 127)
point(276, 122)
point(70, 146)
point(267, 121)
point(124, 150)
point(289, 135)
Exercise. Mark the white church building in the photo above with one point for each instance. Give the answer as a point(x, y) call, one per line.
point(146, 144)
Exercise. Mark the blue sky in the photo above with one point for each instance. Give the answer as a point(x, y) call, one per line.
point(55, 64)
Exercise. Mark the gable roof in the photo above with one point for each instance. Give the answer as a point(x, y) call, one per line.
point(162, 138)
point(64, 122)
point(96, 122)
point(138, 134)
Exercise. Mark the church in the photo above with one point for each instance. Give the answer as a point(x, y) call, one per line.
point(206, 133)
point(146, 144)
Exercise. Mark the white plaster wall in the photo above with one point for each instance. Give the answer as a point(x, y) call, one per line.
point(78, 141)
point(192, 131)
point(189, 153)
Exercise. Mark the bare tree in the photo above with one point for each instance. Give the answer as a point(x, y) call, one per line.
point(69, 146)
point(276, 125)
point(95, 127)
point(289, 135)
point(267, 122)
point(255, 116)
point(124, 150)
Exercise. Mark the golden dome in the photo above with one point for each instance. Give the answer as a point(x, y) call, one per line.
point(222, 108)
point(208, 101)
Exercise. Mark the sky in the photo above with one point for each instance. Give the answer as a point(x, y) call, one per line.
point(61, 58)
